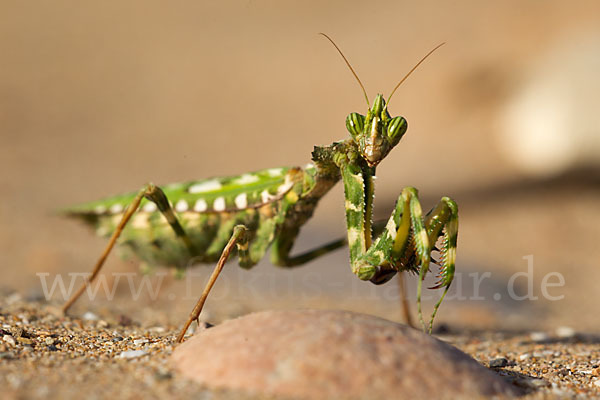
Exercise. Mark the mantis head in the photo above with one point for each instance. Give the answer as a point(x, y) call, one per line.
point(377, 133)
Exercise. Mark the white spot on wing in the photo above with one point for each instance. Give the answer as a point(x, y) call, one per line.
point(181, 206)
point(100, 209)
point(116, 208)
point(275, 171)
point(200, 205)
point(206, 186)
point(149, 207)
point(219, 204)
point(241, 201)
point(246, 179)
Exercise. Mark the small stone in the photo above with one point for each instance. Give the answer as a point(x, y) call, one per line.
point(6, 356)
point(89, 316)
point(52, 348)
point(532, 383)
point(524, 356)
point(24, 340)
point(597, 382)
point(538, 336)
point(163, 375)
point(585, 371)
point(13, 298)
point(140, 341)
point(9, 339)
point(124, 320)
point(500, 362)
point(117, 339)
point(565, 332)
point(129, 354)
point(49, 341)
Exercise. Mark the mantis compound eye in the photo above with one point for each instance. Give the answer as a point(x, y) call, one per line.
point(396, 129)
point(355, 123)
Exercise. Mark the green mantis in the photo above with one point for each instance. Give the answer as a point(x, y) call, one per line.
point(209, 220)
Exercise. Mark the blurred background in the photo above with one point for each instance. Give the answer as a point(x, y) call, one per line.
point(98, 98)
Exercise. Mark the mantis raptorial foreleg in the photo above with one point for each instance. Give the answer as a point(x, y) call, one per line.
point(443, 221)
point(158, 197)
point(408, 239)
point(416, 238)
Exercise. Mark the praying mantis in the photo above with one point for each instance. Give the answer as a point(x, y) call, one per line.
point(214, 219)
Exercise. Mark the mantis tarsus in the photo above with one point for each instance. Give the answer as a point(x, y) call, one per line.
point(206, 220)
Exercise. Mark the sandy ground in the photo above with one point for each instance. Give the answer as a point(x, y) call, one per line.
point(97, 99)
point(46, 355)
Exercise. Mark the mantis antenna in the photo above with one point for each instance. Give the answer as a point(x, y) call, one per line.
point(411, 71)
point(350, 66)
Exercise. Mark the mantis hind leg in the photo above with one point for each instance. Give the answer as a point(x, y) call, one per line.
point(157, 196)
point(239, 238)
point(404, 300)
point(250, 249)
